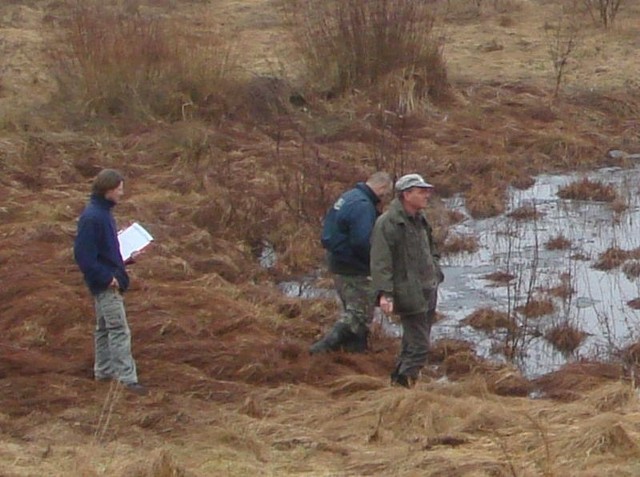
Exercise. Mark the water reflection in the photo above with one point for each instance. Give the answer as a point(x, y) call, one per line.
point(598, 305)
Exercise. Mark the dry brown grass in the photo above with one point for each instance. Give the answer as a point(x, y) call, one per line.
point(614, 257)
point(566, 337)
point(500, 277)
point(586, 189)
point(233, 389)
point(526, 212)
point(487, 319)
point(536, 307)
point(559, 242)
point(456, 244)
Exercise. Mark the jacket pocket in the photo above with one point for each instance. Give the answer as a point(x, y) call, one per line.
point(408, 297)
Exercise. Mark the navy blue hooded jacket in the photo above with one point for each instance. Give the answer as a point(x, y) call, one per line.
point(347, 230)
point(96, 248)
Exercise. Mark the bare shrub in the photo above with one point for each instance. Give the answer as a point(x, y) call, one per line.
point(349, 44)
point(136, 65)
point(562, 40)
point(603, 11)
point(587, 189)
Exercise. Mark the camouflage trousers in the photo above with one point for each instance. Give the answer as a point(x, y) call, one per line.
point(356, 294)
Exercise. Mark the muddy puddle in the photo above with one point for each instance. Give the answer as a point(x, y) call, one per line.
point(598, 304)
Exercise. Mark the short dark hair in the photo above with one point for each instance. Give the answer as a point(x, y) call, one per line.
point(106, 180)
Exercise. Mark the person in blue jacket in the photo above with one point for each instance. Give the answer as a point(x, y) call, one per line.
point(346, 236)
point(97, 253)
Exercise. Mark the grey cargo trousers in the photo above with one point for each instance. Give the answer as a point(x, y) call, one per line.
point(113, 358)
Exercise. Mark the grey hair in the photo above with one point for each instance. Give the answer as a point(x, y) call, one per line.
point(379, 179)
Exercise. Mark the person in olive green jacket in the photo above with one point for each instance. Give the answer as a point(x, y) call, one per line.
point(406, 273)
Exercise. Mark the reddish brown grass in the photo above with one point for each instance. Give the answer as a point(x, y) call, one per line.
point(612, 258)
point(526, 212)
point(500, 277)
point(631, 269)
point(566, 337)
point(559, 242)
point(536, 308)
point(488, 319)
point(635, 303)
point(460, 244)
point(485, 201)
point(587, 189)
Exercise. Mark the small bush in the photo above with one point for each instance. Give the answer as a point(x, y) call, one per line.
point(117, 64)
point(388, 44)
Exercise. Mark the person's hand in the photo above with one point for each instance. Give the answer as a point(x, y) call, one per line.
point(114, 283)
point(386, 304)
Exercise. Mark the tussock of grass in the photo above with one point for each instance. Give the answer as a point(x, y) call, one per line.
point(487, 319)
point(559, 242)
point(500, 277)
point(586, 189)
point(536, 307)
point(566, 337)
point(526, 212)
point(614, 257)
point(459, 244)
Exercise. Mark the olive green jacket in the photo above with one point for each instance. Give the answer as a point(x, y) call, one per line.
point(394, 268)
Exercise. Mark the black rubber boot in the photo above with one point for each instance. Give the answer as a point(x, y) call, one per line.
point(339, 335)
point(358, 342)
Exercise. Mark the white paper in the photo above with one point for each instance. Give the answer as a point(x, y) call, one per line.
point(133, 239)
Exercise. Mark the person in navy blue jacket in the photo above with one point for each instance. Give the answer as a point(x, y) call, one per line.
point(346, 236)
point(97, 253)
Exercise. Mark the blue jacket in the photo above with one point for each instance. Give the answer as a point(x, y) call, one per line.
point(347, 230)
point(96, 248)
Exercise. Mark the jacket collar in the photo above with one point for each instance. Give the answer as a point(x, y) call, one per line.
point(400, 215)
point(102, 202)
point(368, 192)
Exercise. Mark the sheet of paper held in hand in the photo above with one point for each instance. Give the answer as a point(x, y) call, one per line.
point(133, 239)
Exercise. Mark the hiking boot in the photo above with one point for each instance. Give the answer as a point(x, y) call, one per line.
point(137, 388)
point(102, 379)
point(334, 340)
point(357, 342)
point(403, 380)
